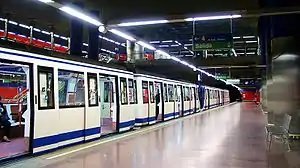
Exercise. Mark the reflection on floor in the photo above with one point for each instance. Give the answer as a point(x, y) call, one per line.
point(15, 147)
point(108, 126)
point(231, 137)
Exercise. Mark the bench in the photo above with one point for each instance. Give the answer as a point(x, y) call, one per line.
point(280, 130)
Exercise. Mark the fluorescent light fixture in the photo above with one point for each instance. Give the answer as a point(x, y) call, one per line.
point(56, 35)
point(24, 26)
point(175, 59)
point(154, 42)
point(249, 37)
point(45, 32)
point(111, 52)
point(175, 45)
point(85, 44)
point(236, 37)
point(140, 23)
point(184, 63)
point(46, 1)
point(117, 43)
point(64, 38)
point(121, 34)
point(22, 36)
point(251, 53)
point(12, 22)
point(2, 19)
point(80, 15)
point(37, 30)
point(187, 45)
point(168, 41)
point(191, 52)
point(213, 18)
point(146, 45)
point(238, 42)
point(234, 53)
point(163, 46)
point(109, 40)
point(251, 41)
point(178, 43)
point(163, 53)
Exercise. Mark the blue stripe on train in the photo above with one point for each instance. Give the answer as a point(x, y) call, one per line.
point(145, 120)
point(49, 140)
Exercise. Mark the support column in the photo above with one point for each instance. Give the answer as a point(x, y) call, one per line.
point(76, 33)
point(129, 51)
point(283, 41)
point(138, 52)
point(93, 49)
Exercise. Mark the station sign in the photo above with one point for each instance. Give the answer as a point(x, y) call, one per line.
point(222, 76)
point(213, 42)
point(234, 81)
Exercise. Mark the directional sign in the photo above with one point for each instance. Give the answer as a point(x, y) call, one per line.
point(212, 42)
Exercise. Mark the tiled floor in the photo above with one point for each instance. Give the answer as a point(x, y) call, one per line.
point(230, 137)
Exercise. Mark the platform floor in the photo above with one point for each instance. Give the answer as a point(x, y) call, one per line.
point(229, 137)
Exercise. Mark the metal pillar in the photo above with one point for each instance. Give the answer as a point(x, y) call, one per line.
point(93, 49)
point(282, 32)
point(76, 34)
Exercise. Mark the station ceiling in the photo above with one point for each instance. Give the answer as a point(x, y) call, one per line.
point(116, 11)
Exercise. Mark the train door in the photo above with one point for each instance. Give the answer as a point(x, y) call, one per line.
point(108, 105)
point(180, 100)
point(152, 105)
point(193, 99)
point(146, 99)
point(206, 98)
point(16, 97)
point(176, 102)
point(181, 94)
point(158, 102)
point(197, 103)
point(190, 100)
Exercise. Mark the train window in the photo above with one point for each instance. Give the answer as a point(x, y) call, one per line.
point(191, 94)
point(145, 92)
point(132, 91)
point(124, 99)
point(175, 93)
point(71, 89)
point(45, 87)
point(184, 97)
point(151, 92)
point(93, 90)
point(187, 93)
point(197, 94)
point(171, 93)
point(165, 93)
point(135, 91)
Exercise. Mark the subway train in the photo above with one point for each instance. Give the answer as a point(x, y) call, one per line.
point(57, 101)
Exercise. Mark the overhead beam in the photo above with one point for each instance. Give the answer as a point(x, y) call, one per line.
point(226, 67)
point(245, 14)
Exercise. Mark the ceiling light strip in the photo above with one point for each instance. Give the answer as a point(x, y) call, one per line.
point(122, 34)
point(142, 23)
point(212, 18)
point(80, 15)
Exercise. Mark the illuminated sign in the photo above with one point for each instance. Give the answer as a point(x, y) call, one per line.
point(212, 42)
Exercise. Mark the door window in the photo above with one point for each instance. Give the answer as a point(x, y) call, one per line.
point(45, 87)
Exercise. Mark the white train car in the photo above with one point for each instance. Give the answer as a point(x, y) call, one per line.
point(69, 102)
point(161, 99)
